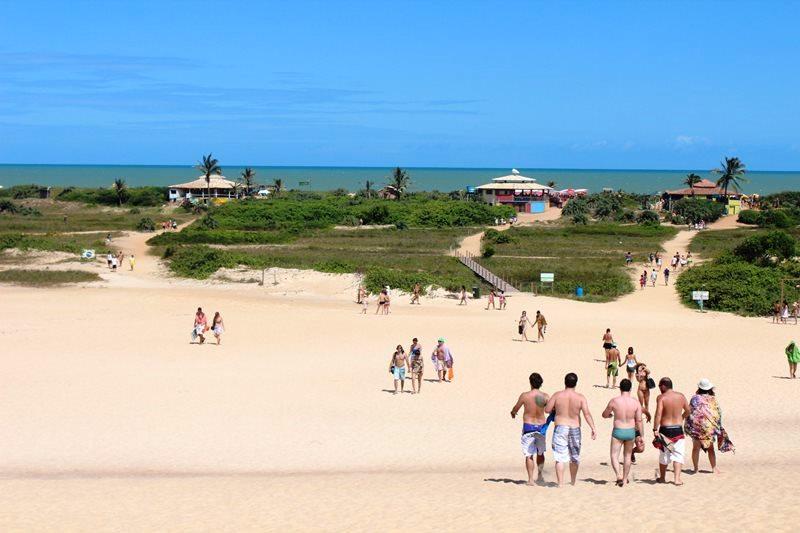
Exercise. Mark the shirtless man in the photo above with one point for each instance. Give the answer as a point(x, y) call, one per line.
point(608, 341)
point(671, 411)
point(541, 324)
point(613, 362)
point(534, 427)
point(627, 413)
point(568, 406)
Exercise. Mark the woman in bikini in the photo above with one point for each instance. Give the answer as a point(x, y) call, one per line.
point(463, 300)
point(397, 367)
point(417, 365)
point(522, 326)
point(218, 327)
point(630, 363)
point(643, 390)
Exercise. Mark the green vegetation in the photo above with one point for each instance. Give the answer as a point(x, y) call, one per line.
point(46, 278)
point(590, 256)
point(610, 206)
point(50, 216)
point(283, 220)
point(693, 210)
point(771, 218)
point(54, 242)
point(398, 258)
point(745, 276)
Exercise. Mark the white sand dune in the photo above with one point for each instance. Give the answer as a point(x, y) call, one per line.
point(111, 420)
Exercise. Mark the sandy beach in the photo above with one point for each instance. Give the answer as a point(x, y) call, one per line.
point(112, 420)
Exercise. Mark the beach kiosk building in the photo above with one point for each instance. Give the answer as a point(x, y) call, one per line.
point(708, 190)
point(221, 187)
point(520, 192)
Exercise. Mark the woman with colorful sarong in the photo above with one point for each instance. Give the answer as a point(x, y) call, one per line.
point(704, 424)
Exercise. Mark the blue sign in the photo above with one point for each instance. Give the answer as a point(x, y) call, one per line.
point(471, 189)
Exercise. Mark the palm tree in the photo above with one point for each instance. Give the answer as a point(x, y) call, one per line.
point(691, 180)
point(368, 189)
point(400, 181)
point(121, 190)
point(277, 186)
point(248, 180)
point(551, 184)
point(731, 174)
point(209, 166)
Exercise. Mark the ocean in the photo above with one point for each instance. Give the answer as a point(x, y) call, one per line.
point(353, 178)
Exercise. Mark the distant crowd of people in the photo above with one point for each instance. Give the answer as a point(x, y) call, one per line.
point(782, 312)
point(677, 262)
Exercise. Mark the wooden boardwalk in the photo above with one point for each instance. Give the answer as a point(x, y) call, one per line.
point(468, 260)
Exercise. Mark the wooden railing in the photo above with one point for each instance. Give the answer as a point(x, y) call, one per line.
point(492, 279)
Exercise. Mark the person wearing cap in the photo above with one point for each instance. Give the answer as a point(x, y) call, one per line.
point(704, 423)
point(613, 362)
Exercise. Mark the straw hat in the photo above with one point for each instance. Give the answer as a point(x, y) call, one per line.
point(705, 384)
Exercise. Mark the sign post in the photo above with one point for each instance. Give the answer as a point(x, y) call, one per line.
point(547, 277)
point(700, 297)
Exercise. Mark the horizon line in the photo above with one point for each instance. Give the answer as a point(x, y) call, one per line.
point(236, 165)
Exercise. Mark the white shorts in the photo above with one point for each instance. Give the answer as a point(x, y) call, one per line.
point(533, 443)
point(666, 457)
point(440, 365)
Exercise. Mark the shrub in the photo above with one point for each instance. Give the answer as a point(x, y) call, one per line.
point(580, 218)
point(146, 224)
point(733, 286)
point(209, 222)
point(488, 250)
point(135, 211)
point(760, 249)
point(7, 206)
point(678, 220)
point(575, 206)
point(376, 279)
point(199, 261)
point(605, 205)
point(750, 216)
point(776, 218)
point(648, 218)
point(401, 225)
point(627, 216)
point(696, 209)
point(497, 237)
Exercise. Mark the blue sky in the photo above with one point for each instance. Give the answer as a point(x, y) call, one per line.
point(528, 84)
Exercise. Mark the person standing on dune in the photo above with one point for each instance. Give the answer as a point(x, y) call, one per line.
point(568, 406)
point(534, 427)
point(671, 411)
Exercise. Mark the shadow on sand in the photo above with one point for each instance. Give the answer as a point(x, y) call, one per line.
point(539, 483)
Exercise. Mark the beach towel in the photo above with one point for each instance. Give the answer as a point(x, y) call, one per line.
point(793, 352)
point(705, 419)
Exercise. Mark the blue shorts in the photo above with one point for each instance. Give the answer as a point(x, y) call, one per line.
point(399, 373)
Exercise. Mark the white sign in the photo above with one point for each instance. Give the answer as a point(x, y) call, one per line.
point(698, 296)
point(547, 277)
point(87, 254)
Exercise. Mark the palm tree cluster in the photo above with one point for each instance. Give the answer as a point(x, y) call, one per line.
point(399, 181)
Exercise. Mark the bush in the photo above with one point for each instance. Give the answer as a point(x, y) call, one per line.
point(135, 211)
point(627, 216)
point(376, 279)
point(401, 225)
point(497, 237)
point(606, 205)
point(760, 249)
point(648, 218)
point(580, 219)
point(488, 250)
point(7, 206)
point(678, 220)
point(733, 286)
point(575, 206)
point(209, 222)
point(146, 224)
point(750, 216)
point(696, 209)
point(776, 218)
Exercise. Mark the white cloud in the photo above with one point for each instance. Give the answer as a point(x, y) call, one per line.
point(689, 140)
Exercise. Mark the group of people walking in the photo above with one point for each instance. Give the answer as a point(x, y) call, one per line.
point(539, 321)
point(201, 326)
point(413, 362)
point(782, 312)
point(677, 262)
point(675, 418)
point(115, 261)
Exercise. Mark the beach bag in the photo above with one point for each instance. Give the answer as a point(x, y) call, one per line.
point(651, 384)
point(450, 373)
point(194, 334)
point(724, 443)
